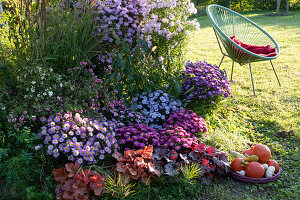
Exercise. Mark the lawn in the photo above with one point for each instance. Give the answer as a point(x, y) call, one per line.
point(265, 118)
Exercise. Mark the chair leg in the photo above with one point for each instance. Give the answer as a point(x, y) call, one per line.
point(252, 78)
point(221, 61)
point(231, 71)
point(275, 73)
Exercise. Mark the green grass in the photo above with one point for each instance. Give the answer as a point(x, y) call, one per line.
point(246, 119)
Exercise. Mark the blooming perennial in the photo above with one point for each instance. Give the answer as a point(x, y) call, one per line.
point(186, 119)
point(79, 138)
point(156, 106)
point(137, 136)
point(204, 81)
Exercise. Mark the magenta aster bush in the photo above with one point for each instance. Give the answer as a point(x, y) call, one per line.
point(186, 119)
point(176, 139)
point(79, 138)
point(137, 136)
point(205, 82)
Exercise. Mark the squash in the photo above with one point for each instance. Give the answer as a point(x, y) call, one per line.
point(270, 171)
point(255, 170)
point(236, 154)
point(273, 163)
point(242, 172)
point(252, 158)
point(236, 164)
point(265, 166)
point(263, 152)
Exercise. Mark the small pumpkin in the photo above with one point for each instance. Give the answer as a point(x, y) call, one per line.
point(248, 152)
point(255, 170)
point(242, 172)
point(270, 171)
point(236, 164)
point(263, 152)
point(273, 163)
point(265, 166)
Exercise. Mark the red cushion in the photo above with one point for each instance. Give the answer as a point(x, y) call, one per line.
point(266, 51)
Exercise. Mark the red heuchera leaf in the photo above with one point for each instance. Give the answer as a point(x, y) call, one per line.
point(81, 197)
point(79, 188)
point(60, 175)
point(205, 162)
point(72, 169)
point(211, 150)
point(67, 195)
point(98, 191)
point(121, 168)
point(68, 185)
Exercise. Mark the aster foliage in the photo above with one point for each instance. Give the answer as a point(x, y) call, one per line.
point(79, 138)
point(137, 136)
point(187, 119)
point(156, 106)
point(205, 82)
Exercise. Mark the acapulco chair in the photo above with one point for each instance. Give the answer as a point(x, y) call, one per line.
point(229, 25)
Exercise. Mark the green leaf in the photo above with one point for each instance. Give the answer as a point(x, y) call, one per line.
point(177, 88)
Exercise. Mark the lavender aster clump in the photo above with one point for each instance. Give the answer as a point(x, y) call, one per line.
point(205, 82)
point(79, 138)
point(137, 136)
point(187, 119)
point(156, 106)
point(117, 110)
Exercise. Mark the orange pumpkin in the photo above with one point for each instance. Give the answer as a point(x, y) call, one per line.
point(273, 163)
point(255, 170)
point(249, 152)
point(236, 164)
point(263, 152)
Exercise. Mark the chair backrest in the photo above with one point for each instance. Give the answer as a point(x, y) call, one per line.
point(228, 23)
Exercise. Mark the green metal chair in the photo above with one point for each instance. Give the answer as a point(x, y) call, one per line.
point(227, 23)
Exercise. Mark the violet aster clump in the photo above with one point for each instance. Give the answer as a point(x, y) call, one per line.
point(79, 138)
point(116, 109)
point(205, 82)
point(137, 136)
point(187, 119)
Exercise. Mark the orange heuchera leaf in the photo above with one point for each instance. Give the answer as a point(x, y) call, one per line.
point(68, 185)
point(121, 168)
point(81, 197)
point(60, 175)
point(147, 152)
point(68, 195)
point(72, 169)
point(98, 191)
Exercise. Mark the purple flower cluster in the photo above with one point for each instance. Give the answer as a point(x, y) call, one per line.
point(176, 138)
point(156, 106)
point(81, 139)
point(121, 17)
point(204, 81)
point(186, 119)
point(137, 136)
point(117, 110)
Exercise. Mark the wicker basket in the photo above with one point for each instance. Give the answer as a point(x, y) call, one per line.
point(254, 180)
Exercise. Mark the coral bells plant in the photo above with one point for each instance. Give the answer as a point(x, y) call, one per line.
point(156, 106)
point(205, 82)
point(77, 137)
point(208, 158)
point(137, 136)
point(76, 183)
point(187, 119)
point(138, 164)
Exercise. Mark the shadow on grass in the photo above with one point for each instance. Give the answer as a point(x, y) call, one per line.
point(266, 127)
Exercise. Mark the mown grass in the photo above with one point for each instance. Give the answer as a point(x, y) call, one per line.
point(246, 119)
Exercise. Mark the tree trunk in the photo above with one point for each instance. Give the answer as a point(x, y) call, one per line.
point(287, 6)
point(278, 7)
